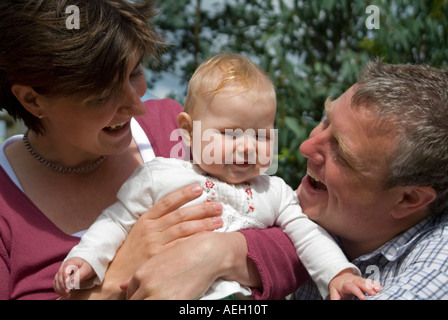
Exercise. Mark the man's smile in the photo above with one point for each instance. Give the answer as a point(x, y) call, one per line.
point(316, 183)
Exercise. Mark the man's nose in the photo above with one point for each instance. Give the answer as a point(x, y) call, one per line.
point(313, 148)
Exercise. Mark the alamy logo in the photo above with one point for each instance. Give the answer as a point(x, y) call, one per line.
point(73, 279)
point(374, 275)
point(373, 20)
point(73, 20)
point(210, 148)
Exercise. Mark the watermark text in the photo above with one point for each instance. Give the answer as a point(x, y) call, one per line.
point(373, 20)
point(73, 20)
point(233, 146)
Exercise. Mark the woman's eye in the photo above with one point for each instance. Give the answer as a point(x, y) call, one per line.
point(104, 97)
point(137, 72)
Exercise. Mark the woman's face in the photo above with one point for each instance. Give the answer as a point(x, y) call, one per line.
point(96, 125)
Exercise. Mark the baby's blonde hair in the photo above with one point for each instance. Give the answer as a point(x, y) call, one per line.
point(227, 72)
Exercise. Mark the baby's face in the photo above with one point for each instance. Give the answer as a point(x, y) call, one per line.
point(236, 140)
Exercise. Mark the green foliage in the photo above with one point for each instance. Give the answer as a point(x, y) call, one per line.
point(310, 49)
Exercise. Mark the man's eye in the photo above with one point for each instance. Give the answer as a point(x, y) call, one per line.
point(325, 123)
point(337, 156)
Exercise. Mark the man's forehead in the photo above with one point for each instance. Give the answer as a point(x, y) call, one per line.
point(327, 106)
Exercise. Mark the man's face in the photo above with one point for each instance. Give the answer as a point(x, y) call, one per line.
point(343, 190)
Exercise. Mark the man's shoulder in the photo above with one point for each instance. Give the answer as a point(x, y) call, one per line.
point(432, 244)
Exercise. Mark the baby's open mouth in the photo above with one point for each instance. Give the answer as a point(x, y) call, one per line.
point(316, 183)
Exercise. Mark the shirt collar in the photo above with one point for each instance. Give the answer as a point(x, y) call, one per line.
point(393, 249)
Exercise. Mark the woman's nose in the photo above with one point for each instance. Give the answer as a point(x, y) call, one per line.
point(131, 100)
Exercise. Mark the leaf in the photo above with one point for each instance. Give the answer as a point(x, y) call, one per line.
point(294, 126)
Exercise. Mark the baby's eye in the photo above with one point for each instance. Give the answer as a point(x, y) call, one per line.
point(262, 136)
point(231, 134)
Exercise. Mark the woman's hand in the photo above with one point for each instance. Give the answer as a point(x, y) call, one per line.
point(187, 269)
point(161, 227)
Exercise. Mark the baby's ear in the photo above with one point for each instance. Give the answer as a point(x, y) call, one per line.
point(186, 126)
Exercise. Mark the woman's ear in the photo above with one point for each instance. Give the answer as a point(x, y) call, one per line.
point(413, 198)
point(186, 126)
point(28, 97)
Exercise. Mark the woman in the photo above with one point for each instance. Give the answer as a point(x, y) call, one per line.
point(78, 91)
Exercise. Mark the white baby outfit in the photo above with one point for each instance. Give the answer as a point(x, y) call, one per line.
point(262, 202)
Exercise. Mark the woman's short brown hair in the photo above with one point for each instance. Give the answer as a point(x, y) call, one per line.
point(37, 48)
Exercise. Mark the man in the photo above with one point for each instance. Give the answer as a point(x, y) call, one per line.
point(378, 179)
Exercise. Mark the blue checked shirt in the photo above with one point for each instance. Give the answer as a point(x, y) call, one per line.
point(411, 266)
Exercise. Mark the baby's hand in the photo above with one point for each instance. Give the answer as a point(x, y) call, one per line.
point(70, 275)
point(346, 285)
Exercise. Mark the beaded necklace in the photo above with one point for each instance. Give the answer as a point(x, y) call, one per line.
point(57, 167)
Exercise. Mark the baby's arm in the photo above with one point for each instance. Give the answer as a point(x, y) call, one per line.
point(101, 241)
point(71, 274)
point(317, 250)
point(346, 284)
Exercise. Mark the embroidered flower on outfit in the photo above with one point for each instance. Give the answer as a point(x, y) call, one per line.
point(210, 191)
point(209, 187)
point(249, 198)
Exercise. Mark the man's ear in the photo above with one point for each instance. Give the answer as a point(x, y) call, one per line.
point(28, 97)
point(186, 126)
point(413, 198)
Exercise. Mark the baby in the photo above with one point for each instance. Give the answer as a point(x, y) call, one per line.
point(228, 122)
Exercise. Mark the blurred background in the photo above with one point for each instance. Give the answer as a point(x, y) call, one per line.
point(310, 49)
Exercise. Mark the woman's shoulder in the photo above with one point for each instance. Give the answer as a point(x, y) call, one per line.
point(163, 107)
point(159, 123)
point(11, 142)
point(162, 103)
point(160, 113)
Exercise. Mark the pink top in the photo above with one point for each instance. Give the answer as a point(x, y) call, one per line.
point(32, 247)
point(277, 262)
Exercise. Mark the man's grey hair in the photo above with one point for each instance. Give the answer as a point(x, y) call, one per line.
point(414, 98)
